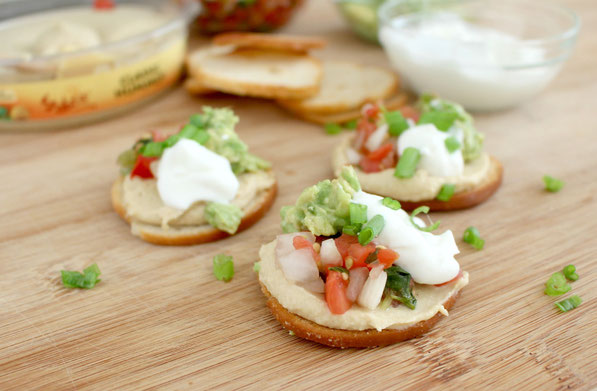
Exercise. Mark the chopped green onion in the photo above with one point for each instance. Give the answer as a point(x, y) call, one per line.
point(556, 285)
point(452, 144)
point(170, 141)
point(257, 267)
point(386, 301)
point(407, 164)
point(443, 120)
point(332, 128)
point(351, 229)
point(423, 209)
point(391, 203)
point(351, 125)
point(396, 122)
point(339, 269)
point(371, 230)
point(446, 192)
point(552, 184)
point(85, 280)
point(473, 237)
point(188, 131)
point(201, 137)
point(152, 149)
point(570, 273)
point(358, 214)
point(568, 304)
point(223, 267)
point(198, 121)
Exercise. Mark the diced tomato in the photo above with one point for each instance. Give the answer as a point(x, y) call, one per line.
point(368, 165)
point(359, 254)
point(381, 152)
point(452, 280)
point(335, 293)
point(371, 110)
point(410, 112)
point(343, 243)
point(103, 4)
point(389, 161)
point(158, 136)
point(386, 257)
point(300, 241)
point(141, 168)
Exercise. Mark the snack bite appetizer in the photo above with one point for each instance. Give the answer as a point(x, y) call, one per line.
point(198, 185)
point(355, 270)
point(428, 155)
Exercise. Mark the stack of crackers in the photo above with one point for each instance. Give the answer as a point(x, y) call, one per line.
point(279, 67)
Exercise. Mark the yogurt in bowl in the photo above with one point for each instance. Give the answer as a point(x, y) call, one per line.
point(485, 55)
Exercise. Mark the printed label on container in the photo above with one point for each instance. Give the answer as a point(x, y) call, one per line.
point(70, 96)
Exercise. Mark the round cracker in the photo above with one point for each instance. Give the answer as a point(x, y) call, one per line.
point(257, 73)
point(183, 236)
point(393, 103)
point(345, 86)
point(337, 338)
point(292, 43)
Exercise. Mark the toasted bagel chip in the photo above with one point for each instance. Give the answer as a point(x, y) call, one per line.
point(345, 86)
point(292, 43)
point(257, 73)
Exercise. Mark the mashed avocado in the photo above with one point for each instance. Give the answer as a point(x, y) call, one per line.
point(323, 208)
point(473, 140)
point(225, 217)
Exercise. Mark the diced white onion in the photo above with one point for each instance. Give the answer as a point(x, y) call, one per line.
point(372, 291)
point(284, 243)
point(377, 138)
point(357, 276)
point(329, 253)
point(299, 265)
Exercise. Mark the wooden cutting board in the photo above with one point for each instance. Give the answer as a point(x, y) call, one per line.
point(160, 320)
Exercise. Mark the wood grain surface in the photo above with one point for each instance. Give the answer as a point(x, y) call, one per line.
point(160, 320)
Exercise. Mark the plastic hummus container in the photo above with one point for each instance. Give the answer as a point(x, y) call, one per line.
point(65, 62)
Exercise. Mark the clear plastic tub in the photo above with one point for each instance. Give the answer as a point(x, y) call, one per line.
point(48, 87)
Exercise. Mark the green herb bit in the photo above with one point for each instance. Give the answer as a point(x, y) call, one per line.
point(372, 257)
point(339, 269)
point(446, 192)
point(473, 237)
point(570, 273)
point(399, 284)
point(556, 285)
point(223, 267)
point(332, 128)
point(552, 184)
point(351, 229)
point(386, 301)
point(371, 230)
point(396, 122)
point(391, 203)
point(443, 120)
point(257, 267)
point(423, 209)
point(291, 333)
point(452, 144)
point(568, 304)
point(407, 164)
point(201, 137)
point(351, 125)
point(358, 214)
point(85, 280)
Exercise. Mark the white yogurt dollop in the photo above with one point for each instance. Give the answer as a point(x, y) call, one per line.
point(188, 172)
point(435, 157)
point(427, 257)
point(477, 66)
